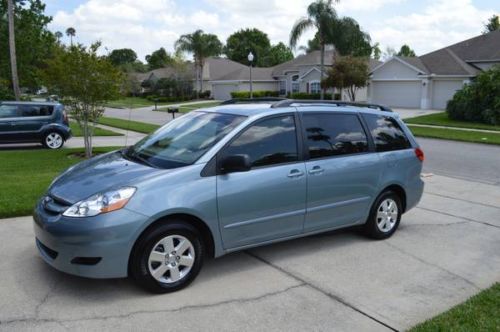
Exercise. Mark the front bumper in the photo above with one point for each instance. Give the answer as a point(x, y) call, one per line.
point(94, 247)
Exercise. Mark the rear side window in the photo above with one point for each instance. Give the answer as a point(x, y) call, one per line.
point(35, 110)
point(267, 142)
point(387, 133)
point(8, 111)
point(334, 134)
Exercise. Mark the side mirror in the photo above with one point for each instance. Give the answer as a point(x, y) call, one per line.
point(235, 163)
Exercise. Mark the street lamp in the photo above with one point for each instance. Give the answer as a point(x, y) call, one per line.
point(250, 59)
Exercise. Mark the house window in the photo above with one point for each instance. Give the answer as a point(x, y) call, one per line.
point(295, 84)
point(315, 87)
point(283, 87)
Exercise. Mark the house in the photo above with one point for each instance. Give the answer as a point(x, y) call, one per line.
point(430, 80)
point(301, 74)
point(222, 76)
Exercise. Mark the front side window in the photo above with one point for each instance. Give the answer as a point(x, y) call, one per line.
point(315, 87)
point(386, 133)
point(334, 134)
point(182, 141)
point(8, 111)
point(268, 142)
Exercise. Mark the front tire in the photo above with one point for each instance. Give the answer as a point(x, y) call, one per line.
point(53, 140)
point(167, 257)
point(385, 216)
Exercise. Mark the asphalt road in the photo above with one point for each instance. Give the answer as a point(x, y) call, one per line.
point(476, 162)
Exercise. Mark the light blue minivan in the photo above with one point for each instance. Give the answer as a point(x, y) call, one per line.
point(228, 178)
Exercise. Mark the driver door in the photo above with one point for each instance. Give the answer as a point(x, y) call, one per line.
point(268, 202)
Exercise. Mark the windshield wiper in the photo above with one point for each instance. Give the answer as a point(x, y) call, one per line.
point(134, 156)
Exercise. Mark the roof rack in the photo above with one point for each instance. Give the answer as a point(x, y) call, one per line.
point(252, 100)
point(291, 102)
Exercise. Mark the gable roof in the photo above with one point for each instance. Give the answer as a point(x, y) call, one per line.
point(215, 68)
point(311, 59)
point(485, 47)
point(243, 74)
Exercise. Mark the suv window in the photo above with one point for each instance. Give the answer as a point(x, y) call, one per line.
point(386, 132)
point(268, 142)
point(8, 111)
point(35, 110)
point(334, 134)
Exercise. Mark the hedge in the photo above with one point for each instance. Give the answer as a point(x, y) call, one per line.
point(478, 101)
point(256, 94)
point(304, 95)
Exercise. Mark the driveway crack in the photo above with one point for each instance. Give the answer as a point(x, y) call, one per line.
point(332, 296)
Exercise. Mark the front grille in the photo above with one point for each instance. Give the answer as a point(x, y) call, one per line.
point(46, 250)
point(54, 205)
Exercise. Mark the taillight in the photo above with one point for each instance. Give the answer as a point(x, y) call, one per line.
point(65, 116)
point(420, 154)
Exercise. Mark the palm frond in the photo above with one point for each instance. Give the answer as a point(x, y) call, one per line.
point(298, 29)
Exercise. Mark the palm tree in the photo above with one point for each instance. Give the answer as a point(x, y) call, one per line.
point(202, 46)
point(71, 32)
point(58, 35)
point(12, 49)
point(320, 15)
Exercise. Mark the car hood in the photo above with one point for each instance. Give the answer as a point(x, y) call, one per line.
point(109, 171)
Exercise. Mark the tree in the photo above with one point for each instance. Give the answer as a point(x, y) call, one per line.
point(348, 72)
point(312, 45)
point(405, 50)
point(33, 42)
point(376, 51)
point(58, 35)
point(122, 56)
point(244, 41)
point(85, 81)
point(201, 45)
point(71, 32)
point(159, 59)
point(348, 38)
point(320, 15)
point(12, 50)
point(492, 25)
point(389, 52)
point(279, 53)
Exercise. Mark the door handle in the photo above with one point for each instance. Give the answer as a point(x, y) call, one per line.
point(316, 170)
point(295, 173)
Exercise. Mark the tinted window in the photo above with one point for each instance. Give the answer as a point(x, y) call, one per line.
point(334, 134)
point(268, 142)
point(386, 133)
point(34, 110)
point(8, 111)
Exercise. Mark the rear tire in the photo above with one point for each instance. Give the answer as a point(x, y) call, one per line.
point(385, 216)
point(53, 140)
point(167, 257)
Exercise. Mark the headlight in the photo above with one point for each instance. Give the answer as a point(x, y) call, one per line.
point(101, 203)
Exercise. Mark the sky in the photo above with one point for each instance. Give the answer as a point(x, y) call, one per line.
point(147, 25)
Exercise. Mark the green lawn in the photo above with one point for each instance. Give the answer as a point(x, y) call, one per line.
point(77, 131)
point(26, 174)
point(189, 108)
point(441, 119)
point(137, 102)
point(140, 127)
point(479, 313)
point(456, 135)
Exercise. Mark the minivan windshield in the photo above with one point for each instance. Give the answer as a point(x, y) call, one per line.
point(182, 141)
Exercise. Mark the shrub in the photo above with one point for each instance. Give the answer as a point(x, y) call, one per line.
point(256, 94)
point(5, 91)
point(478, 101)
point(205, 94)
point(304, 95)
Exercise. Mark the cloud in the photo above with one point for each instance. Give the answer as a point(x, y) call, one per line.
point(441, 23)
point(147, 25)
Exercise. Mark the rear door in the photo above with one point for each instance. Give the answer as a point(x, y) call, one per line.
point(268, 202)
point(342, 172)
point(32, 119)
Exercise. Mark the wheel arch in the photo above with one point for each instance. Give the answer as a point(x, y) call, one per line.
point(399, 190)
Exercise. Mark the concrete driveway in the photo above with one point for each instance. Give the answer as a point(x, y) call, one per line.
point(445, 250)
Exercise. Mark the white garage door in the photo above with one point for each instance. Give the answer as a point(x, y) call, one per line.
point(397, 94)
point(223, 91)
point(442, 91)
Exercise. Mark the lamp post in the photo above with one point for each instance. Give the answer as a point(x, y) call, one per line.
point(250, 59)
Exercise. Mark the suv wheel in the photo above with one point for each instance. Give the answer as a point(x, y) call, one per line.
point(53, 140)
point(167, 258)
point(385, 216)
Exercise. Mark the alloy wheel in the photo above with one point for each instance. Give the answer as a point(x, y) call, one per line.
point(387, 215)
point(54, 140)
point(171, 259)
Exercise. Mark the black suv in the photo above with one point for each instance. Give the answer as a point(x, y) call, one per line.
point(32, 122)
